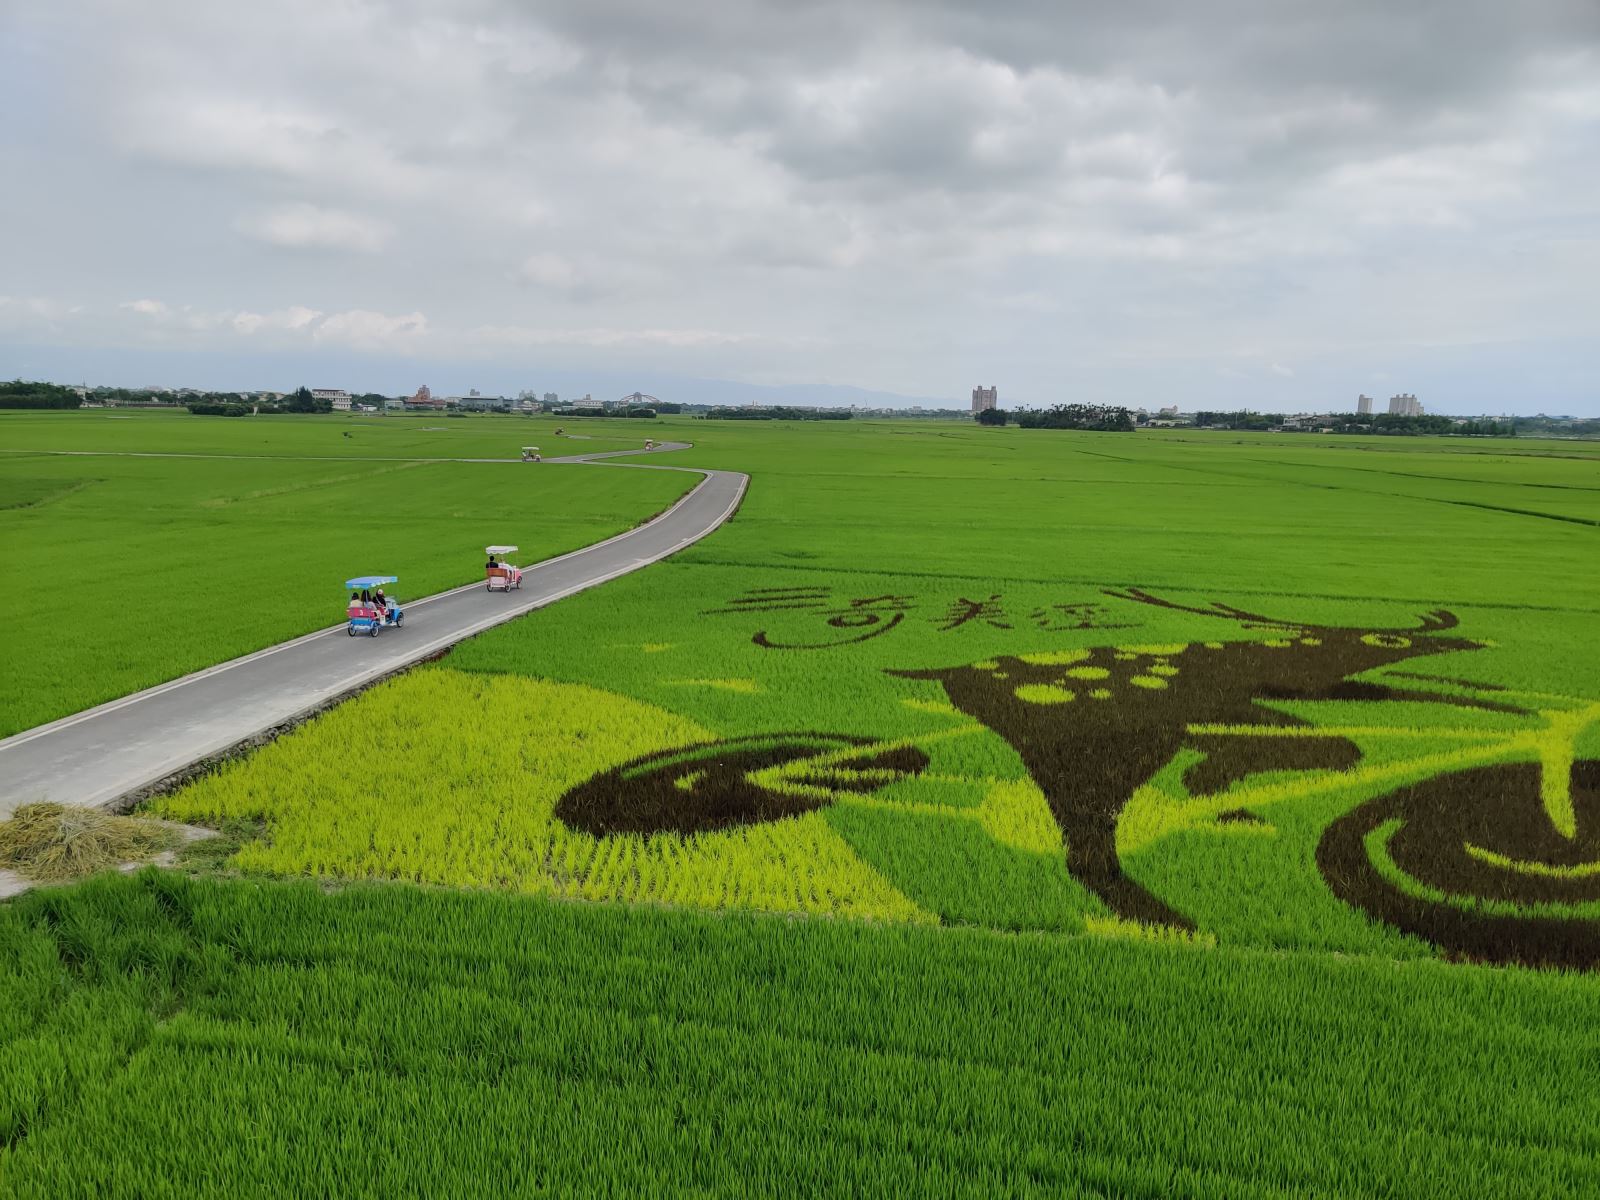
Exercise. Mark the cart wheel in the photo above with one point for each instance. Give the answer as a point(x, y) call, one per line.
point(374, 632)
point(350, 629)
point(398, 617)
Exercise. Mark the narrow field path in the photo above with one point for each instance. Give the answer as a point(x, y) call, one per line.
point(125, 747)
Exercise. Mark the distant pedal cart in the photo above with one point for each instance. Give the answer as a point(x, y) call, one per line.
point(369, 618)
point(531, 453)
point(501, 575)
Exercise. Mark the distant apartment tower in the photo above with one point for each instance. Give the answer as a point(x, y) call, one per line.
point(1404, 405)
point(984, 398)
point(1364, 404)
point(551, 398)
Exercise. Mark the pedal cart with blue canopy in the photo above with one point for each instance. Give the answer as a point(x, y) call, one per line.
point(368, 615)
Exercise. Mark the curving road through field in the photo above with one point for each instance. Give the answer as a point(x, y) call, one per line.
point(124, 748)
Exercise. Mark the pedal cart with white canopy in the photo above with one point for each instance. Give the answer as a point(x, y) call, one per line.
point(501, 575)
point(369, 613)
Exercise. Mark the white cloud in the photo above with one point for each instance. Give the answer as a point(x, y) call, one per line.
point(306, 226)
point(363, 329)
point(549, 271)
point(295, 317)
point(608, 338)
point(25, 313)
point(292, 325)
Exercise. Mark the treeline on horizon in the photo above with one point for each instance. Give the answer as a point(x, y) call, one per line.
point(780, 413)
point(1391, 423)
point(1103, 418)
point(20, 394)
point(37, 394)
point(1110, 418)
point(632, 411)
point(228, 404)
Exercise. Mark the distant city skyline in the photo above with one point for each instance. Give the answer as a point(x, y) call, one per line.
point(397, 378)
point(1277, 210)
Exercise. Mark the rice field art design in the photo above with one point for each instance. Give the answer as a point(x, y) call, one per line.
point(1496, 863)
point(1093, 725)
point(735, 781)
point(1494, 860)
point(1481, 837)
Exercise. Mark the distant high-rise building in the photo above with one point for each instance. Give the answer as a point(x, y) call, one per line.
point(551, 398)
point(1404, 405)
point(984, 398)
point(1364, 404)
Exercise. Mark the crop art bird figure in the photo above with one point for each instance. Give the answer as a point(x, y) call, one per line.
point(1093, 725)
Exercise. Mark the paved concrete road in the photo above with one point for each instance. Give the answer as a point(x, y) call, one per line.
point(105, 754)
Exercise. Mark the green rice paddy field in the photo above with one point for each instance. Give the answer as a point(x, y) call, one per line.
point(122, 570)
point(980, 812)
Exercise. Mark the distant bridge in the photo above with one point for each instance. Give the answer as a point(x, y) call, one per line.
point(639, 398)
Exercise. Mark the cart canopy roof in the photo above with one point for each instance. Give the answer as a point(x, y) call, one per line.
point(367, 581)
point(499, 549)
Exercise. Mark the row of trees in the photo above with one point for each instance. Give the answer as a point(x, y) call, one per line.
point(1427, 423)
point(1557, 426)
point(228, 404)
point(20, 394)
point(779, 413)
point(1106, 418)
point(1384, 423)
point(632, 411)
point(1237, 420)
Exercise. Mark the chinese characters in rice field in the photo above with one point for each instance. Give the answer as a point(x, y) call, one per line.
point(829, 619)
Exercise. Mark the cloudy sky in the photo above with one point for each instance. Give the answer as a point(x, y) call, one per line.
point(1271, 203)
